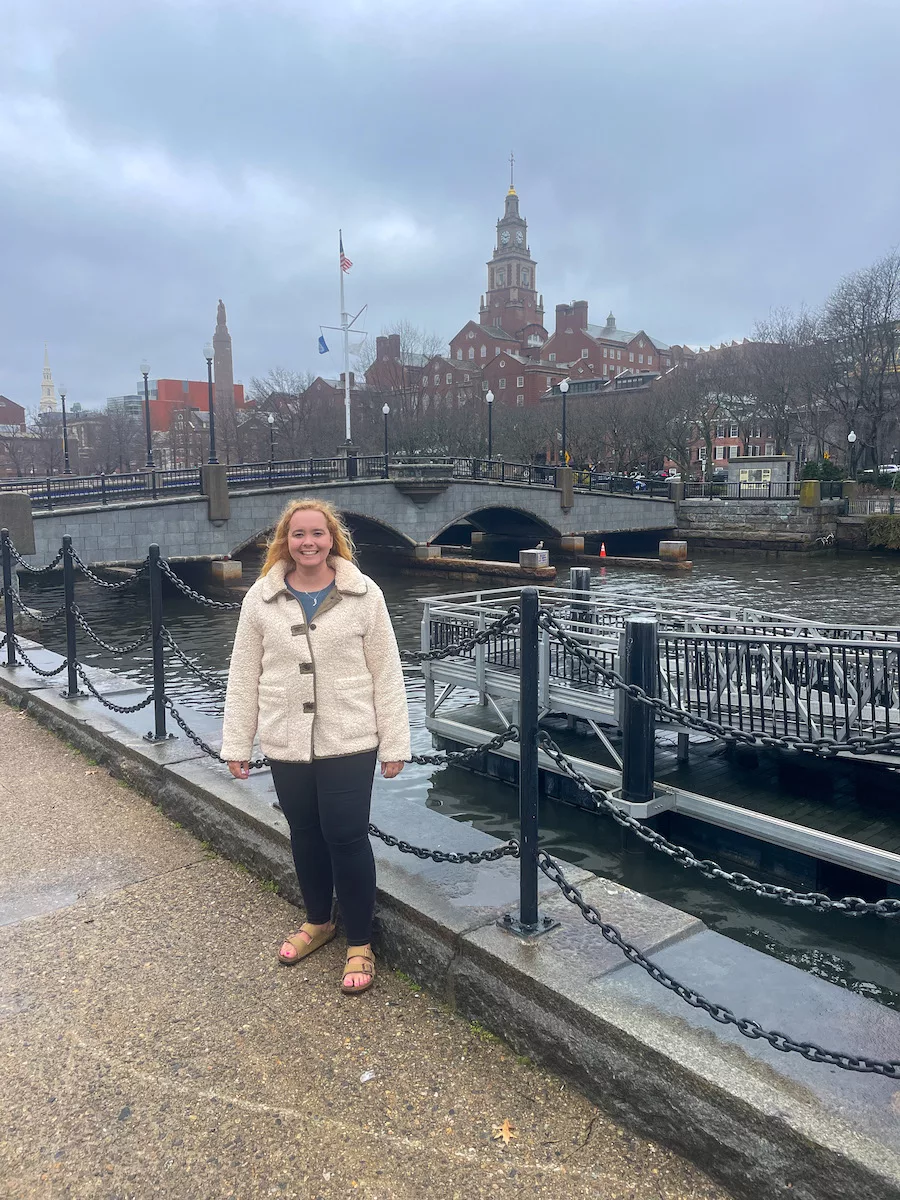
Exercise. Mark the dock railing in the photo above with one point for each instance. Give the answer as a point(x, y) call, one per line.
point(522, 632)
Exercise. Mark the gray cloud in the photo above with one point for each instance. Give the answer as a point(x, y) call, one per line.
point(687, 163)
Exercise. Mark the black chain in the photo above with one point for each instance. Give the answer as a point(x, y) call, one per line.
point(824, 747)
point(128, 648)
point(51, 566)
point(718, 1012)
point(119, 708)
point(853, 906)
point(458, 757)
point(37, 670)
point(477, 639)
point(105, 583)
point(197, 597)
point(508, 849)
point(198, 741)
point(32, 612)
point(209, 679)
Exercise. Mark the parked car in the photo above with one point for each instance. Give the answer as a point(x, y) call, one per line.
point(888, 469)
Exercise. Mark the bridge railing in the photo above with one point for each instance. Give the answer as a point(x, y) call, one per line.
point(830, 489)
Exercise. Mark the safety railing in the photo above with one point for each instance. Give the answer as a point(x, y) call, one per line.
point(768, 490)
point(521, 623)
point(873, 506)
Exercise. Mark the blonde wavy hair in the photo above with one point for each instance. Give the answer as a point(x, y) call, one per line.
point(277, 550)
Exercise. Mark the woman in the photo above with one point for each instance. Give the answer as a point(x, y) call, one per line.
point(316, 670)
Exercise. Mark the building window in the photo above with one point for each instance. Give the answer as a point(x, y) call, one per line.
point(756, 431)
point(734, 451)
point(584, 354)
point(701, 454)
point(770, 449)
point(604, 368)
point(734, 430)
point(465, 379)
point(604, 352)
point(502, 362)
point(649, 360)
point(640, 358)
point(471, 353)
point(459, 354)
point(484, 385)
point(552, 357)
point(520, 381)
point(619, 355)
point(484, 351)
point(501, 383)
point(437, 380)
point(520, 400)
point(720, 430)
point(449, 377)
point(631, 356)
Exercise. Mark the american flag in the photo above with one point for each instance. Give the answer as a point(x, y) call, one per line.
point(346, 264)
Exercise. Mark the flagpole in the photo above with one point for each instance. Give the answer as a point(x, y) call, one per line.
point(345, 327)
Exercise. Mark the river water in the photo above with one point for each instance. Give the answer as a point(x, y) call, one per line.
point(860, 954)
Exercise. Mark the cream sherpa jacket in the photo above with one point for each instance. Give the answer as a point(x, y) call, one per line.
point(329, 687)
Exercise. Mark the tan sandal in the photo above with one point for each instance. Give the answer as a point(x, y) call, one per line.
point(361, 954)
point(320, 937)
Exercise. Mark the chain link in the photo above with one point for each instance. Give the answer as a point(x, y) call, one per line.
point(51, 566)
point(105, 583)
point(853, 906)
point(456, 648)
point(119, 708)
point(31, 666)
point(209, 679)
point(128, 648)
point(197, 597)
point(198, 741)
point(32, 613)
point(823, 747)
point(458, 757)
point(750, 1029)
point(506, 850)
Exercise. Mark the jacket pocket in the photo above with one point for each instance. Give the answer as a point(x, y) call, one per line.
point(272, 715)
point(354, 697)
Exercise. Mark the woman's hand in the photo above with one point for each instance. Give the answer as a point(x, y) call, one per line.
point(240, 770)
point(390, 770)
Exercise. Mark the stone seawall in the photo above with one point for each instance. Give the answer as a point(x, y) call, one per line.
point(758, 524)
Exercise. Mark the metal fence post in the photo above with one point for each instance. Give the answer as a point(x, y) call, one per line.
point(71, 692)
point(529, 923)
point(8, 610)
point(158, 734)
point(641, 667)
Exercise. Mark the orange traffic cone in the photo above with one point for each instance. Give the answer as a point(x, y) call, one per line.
point(603, 549)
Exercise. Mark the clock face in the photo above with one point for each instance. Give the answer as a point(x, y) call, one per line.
point(520, 237)
point(504, 237)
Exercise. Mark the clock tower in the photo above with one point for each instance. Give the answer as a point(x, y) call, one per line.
point(511, 300)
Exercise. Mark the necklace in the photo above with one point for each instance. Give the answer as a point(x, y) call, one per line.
point(316, 596)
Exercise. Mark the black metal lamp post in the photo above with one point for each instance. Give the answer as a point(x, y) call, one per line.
point(271, 419)
point(564, 391)
point(208, 355)
point(851, 439)
point(67, 470)
point(386, 411)
point(489, 400)
point(145, 371)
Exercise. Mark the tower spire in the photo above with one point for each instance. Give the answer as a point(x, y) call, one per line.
point(48, 391)
point(512, 179)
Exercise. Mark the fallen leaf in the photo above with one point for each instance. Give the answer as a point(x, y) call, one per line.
point(91, 771)
point(505, 1132)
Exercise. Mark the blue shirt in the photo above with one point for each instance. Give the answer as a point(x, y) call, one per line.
point(310, 600)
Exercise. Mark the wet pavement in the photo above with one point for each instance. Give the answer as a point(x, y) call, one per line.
point(153, 1047)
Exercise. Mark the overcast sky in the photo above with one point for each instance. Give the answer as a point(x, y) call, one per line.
point(687, 163)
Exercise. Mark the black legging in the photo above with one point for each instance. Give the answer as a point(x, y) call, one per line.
point(326, 803)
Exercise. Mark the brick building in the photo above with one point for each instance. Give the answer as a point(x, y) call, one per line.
point(602, 351)
point(12, 417)
point(171, 396)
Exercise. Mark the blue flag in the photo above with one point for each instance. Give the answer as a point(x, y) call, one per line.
point(323, 349)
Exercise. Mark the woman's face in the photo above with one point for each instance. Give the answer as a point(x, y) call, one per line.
point(309, 541)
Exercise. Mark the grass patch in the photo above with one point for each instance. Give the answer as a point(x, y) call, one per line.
point(480, 1032)
point(410, 982)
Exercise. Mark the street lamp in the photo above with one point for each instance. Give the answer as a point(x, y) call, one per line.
point(67, 470)
point(851, 438)
point(489, 400)
point(386, 410)
point(145, 371)
point(271, 419)
point(564, 389)
point(208, 355)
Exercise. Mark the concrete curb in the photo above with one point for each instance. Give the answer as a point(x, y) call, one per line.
point(763, 1123)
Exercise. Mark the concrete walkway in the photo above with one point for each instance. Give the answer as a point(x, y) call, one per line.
point(152, 1047)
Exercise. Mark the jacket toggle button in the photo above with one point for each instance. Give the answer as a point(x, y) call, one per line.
point(306, 668)
point(308, 706)
point(312, 627)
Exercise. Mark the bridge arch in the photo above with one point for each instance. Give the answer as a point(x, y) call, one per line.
point(503, 520)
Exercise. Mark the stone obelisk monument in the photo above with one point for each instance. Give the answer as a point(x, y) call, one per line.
point(223, 365)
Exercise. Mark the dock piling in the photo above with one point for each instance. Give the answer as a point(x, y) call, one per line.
point(641, 667)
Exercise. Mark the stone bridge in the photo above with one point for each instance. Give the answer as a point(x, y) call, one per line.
point(380, 511)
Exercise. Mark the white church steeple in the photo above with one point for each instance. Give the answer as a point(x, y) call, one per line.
point(48, 391)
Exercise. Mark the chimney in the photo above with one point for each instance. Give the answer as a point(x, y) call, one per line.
point(563, 313)
point(381, 347)
point(580, 318)
point(394, 350)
